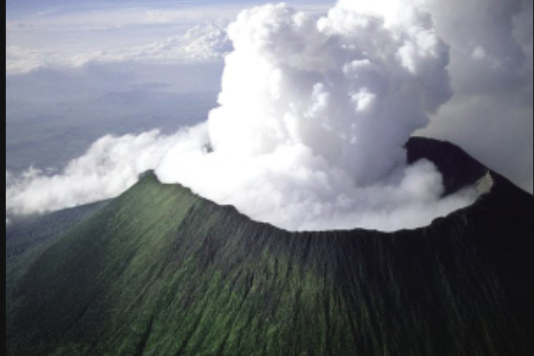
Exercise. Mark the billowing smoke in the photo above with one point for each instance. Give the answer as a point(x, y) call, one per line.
point(313, 116)
point(309, 133)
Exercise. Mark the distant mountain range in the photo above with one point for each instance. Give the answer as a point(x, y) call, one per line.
point(162, 271)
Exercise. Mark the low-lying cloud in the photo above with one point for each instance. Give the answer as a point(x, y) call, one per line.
point(108, 168)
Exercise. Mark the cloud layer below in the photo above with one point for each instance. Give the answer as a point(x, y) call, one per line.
point(201, 43)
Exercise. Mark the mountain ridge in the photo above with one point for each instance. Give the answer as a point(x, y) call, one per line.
point(160, 271)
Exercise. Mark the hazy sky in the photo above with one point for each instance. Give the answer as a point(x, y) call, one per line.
point(64, 57)
point(47, 33)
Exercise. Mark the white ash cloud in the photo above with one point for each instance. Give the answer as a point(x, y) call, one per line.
point(291, 165)
point(490, 42)
point(313, 116)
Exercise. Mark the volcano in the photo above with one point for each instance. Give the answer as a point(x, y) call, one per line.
point(162, 271)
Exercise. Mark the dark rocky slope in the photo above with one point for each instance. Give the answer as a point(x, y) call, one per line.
point(160, 271)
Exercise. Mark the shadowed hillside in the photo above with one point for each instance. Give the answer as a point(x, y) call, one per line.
point(161, 271)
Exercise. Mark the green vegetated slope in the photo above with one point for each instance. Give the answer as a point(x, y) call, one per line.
point(25, 234)
point(27, 238)
point(160, 271)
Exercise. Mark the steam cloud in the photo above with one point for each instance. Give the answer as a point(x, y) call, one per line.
point(313, 117)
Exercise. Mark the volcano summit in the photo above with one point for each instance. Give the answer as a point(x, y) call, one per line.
point(302, 218)
point(161, 271)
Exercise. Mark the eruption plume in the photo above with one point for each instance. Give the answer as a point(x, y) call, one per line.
point(313, 116)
